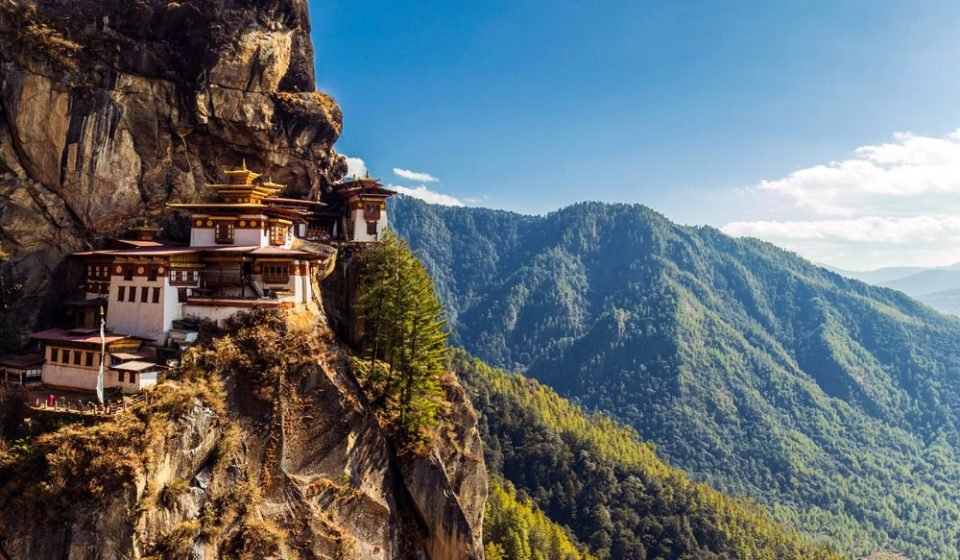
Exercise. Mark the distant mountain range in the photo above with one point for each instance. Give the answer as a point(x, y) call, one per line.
point(834, 403)
point(937, 287)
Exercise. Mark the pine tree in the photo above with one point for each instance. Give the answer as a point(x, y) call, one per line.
point(405, 337)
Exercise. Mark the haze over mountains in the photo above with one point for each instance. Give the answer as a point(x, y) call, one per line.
point(828, 400)
point(937, 287)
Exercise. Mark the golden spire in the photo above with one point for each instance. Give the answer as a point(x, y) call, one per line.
point(269, 183)
point(241, 176)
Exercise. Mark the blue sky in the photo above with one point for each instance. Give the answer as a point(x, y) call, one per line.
point(716, 113)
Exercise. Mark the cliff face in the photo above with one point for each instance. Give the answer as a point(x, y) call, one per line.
point(109, 108)
point(277, 456)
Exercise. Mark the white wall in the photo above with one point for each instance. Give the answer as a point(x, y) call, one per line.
point(71, 375)
point(202, 237)
point(250, 236)
point(360, 226)
point(170, 302)
point(242, 237)
point(214, 313)
point(144, 380)
point(147, 319)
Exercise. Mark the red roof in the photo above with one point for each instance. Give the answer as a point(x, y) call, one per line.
point(142, 243)
point(78, 336)
point(344, 193)
point(21, 361)
point(141, 252)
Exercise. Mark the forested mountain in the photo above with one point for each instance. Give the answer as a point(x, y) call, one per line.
point(832, 402)
point(602, 481)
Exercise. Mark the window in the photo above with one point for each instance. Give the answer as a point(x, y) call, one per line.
point(89, 359)
point(152, 274)
point(224, 232)
point(128, 272)
point(276, 273)
point(133, 377)
point(278, 234)
point(180, 277)
point(181, 295)
point(144, 292)
point(54, 355)
point(371, 228)
point(120, 375)
point(156, 295)
point(121, 292)
point(76, 357)
point(371, 211)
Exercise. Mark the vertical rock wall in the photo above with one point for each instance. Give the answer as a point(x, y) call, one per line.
point(111, 108)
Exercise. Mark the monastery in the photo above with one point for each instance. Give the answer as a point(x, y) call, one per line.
point(248, 249)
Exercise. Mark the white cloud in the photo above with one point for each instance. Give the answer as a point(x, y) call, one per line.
point(911, 173)
point(896, 203)
point(414, 175)
point(427, 195)
point(863, 243)
point(356, 167)
point(868, 229)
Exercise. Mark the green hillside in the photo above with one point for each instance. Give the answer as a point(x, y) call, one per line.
point(599, 479)
point(515, 529)
point(832, 402)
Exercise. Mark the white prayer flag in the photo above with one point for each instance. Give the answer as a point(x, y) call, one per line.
point(103, 355)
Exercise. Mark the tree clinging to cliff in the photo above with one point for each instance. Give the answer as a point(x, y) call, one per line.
point(405, 333)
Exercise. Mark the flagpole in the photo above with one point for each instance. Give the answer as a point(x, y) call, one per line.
point(103, 355)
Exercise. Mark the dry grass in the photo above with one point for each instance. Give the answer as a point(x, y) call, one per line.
point(76, 468)
point(171, 493)
point(177, 542)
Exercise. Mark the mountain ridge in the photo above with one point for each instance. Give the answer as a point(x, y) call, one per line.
point(748, 366)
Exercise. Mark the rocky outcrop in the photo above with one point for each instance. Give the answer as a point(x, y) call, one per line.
point(110, 108)
point(284, 460)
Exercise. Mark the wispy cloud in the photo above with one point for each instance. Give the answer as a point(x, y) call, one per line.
point(868, 229)
point(911, 173)
point(427, 195)
point(891, 203)
point(414, 175)
point(356, 167)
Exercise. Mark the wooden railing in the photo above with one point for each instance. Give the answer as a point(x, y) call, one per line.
point(89, 408)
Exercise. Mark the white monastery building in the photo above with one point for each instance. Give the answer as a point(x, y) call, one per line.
point(248, 249)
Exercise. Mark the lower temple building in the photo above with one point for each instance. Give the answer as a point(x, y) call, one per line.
point(71, 359)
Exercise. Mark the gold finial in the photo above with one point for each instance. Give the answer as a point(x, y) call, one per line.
point(243, 164)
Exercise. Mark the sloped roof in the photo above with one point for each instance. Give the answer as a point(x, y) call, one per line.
point(21, 361)
point(80, 336)
point(136, 365)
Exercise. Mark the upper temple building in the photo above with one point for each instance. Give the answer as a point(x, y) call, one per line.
point(248, 248)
